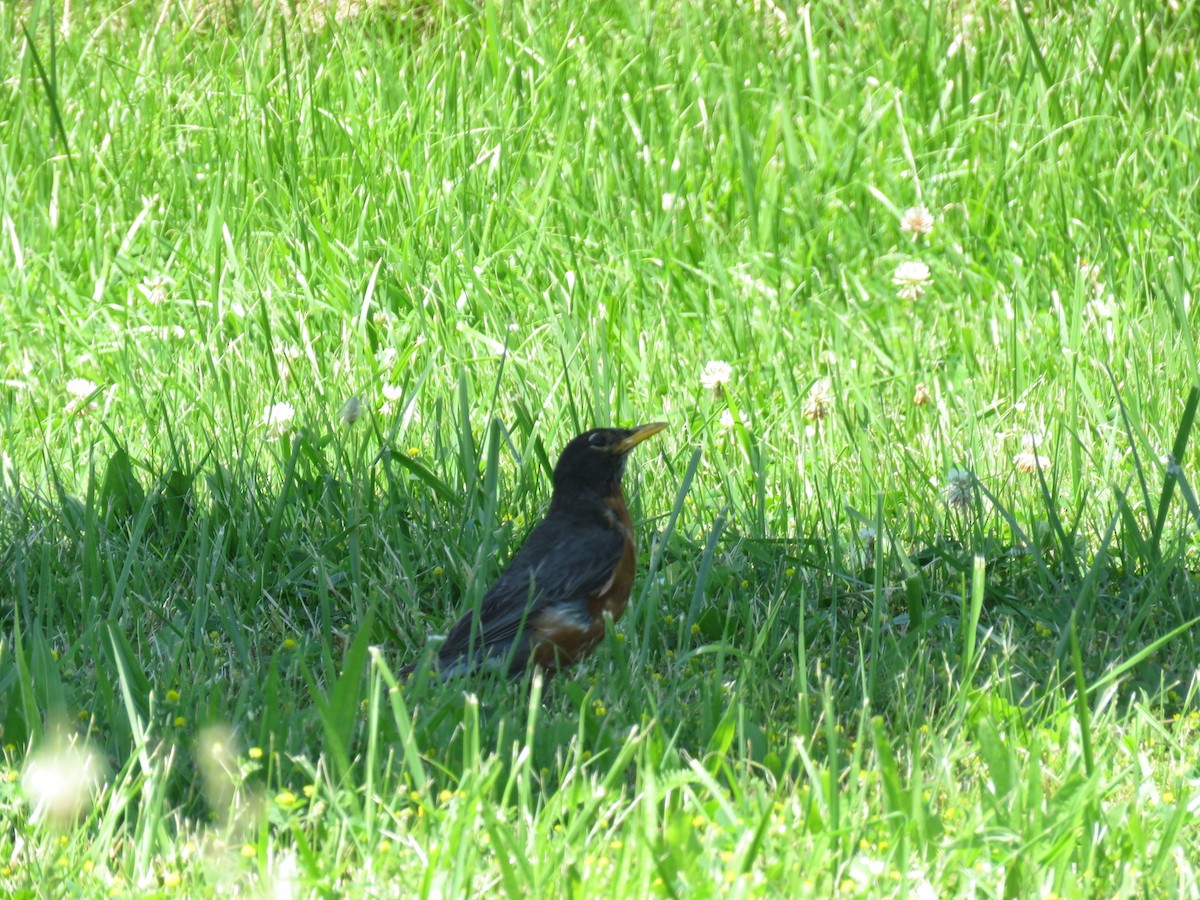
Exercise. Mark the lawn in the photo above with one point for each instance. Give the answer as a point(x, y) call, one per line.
point(299, 302)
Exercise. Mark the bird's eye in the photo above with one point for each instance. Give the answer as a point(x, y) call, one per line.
point(598, 439)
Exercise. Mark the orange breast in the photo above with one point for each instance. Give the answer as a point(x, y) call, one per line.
point(560, 640)
point(564, 637)
point(614, 596)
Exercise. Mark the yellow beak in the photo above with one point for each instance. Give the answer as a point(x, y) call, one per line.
point(639, 434)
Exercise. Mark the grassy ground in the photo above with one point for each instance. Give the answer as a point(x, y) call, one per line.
point(296, 313)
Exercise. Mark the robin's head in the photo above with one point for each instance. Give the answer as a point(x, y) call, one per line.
point(594, 461)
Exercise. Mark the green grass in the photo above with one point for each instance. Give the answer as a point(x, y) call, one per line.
point(495, 225)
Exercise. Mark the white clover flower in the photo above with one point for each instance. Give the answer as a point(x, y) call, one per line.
point(1101, 309)
point(154, 289)
point(81, 388)
point(912, 278)
point(728, 420)
point(717, 373)
point(917, 220)
point(1027, 463)
point(79, 392)
point(285, 355)
point(1090, 272)
point(391, 396)
point(277, 417)
point(1029, 460)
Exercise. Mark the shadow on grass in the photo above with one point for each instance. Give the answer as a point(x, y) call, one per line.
point(165, 601)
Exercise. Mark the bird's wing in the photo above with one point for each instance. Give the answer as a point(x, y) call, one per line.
point(554, 566)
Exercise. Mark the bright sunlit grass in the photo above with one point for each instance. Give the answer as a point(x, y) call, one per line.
point(299, 303)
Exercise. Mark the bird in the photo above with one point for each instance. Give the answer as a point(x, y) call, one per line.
point(547, 609)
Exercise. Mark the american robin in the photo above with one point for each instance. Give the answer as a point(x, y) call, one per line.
point(548, 606)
